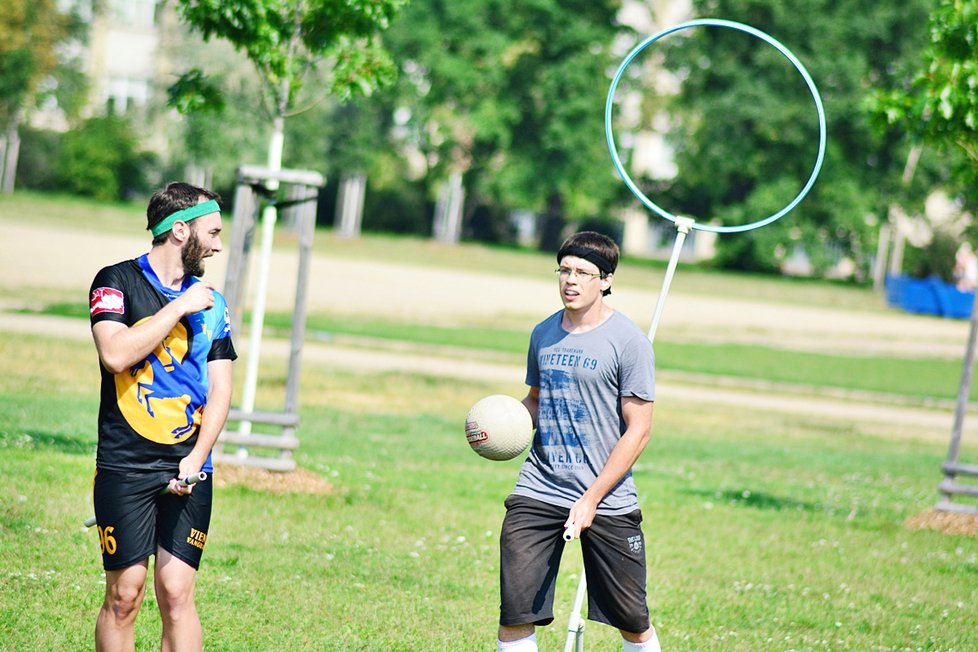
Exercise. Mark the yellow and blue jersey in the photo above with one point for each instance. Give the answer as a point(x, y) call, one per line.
point(149, 414)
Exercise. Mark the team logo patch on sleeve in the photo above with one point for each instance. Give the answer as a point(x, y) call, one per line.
point(107, 300)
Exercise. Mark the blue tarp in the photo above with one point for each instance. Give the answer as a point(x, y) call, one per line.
point(929, 296)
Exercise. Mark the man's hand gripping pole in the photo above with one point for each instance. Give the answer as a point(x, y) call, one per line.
point(186, 482)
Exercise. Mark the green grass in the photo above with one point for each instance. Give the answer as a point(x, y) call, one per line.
point(918, 379)
point(915, 378)
point(72, 212)
point(765, 531)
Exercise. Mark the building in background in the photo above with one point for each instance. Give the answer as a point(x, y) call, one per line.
point(122, 62)
point(125, 63)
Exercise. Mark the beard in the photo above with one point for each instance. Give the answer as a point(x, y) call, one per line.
point(192, 255)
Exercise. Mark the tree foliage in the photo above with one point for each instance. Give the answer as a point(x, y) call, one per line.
point(286, 39)
point(30, 31)
point(510, 93)
point(747, 131)
point(221, 125)
point(939, 103)
point(102, 158)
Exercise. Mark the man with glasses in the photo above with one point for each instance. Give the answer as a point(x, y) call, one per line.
point(591, 378)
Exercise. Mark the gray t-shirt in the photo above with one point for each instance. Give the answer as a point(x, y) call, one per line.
point(581, 379)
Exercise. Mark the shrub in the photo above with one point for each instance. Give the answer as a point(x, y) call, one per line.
point(934, 259)
point(40, 151)
point(101, 159)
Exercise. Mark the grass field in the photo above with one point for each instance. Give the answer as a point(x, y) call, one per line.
point(905, 378)
point(766, 531)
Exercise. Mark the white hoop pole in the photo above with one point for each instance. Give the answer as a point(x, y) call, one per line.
point(269, 217)
point(683, 226)
point(575, 626)
point(186, 482)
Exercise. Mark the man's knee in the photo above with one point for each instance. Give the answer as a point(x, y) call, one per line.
point(122, 601)
point(124, 591)
point(175, 595)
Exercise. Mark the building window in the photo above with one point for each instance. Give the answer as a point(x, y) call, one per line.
point(125, 93)
point(133, 13)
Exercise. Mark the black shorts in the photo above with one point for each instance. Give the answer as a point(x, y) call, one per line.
point(134, 516)
point(531, 544)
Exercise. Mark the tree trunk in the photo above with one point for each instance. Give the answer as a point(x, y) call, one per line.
point(447, 227)
point(10, 156)
point(200, 175)
point(552, 229)
point(349, 205)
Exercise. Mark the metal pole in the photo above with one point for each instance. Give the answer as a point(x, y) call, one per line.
point(683, 226)
point(964, 390)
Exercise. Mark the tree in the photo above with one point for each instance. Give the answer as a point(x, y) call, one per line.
point(558, 157)
point(510, 94)
point(747, 133)
point(101, 158)
point(939, 105)
point(30, 31)
point(219, 129)
point(286, 40)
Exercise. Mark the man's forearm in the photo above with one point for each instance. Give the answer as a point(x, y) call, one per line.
point(623, 456)
point(211, 425)
point(215, 413)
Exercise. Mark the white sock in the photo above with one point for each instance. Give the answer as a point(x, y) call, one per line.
point(651, 645)
point(528, 644)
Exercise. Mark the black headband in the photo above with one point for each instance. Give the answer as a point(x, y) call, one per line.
point(587, 254)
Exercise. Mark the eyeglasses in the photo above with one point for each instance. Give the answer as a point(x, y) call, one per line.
point(565, 272)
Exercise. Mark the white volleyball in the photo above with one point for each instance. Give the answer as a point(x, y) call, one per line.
point(499, 427)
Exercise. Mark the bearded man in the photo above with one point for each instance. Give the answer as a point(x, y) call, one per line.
point(163, 338)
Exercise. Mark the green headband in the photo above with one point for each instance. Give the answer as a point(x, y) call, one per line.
point(186, 215)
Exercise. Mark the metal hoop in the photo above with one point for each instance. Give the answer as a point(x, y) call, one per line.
point(711, 22)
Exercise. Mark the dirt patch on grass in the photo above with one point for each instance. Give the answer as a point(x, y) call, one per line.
point(298, 481)
point(945, 522)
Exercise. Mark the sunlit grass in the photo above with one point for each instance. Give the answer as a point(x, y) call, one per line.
point(920, 379)
point(765, 531)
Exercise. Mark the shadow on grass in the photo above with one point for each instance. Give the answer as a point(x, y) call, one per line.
point(757, 500)
point(39, 439)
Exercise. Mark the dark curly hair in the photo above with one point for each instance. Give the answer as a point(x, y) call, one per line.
point(176, 196)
